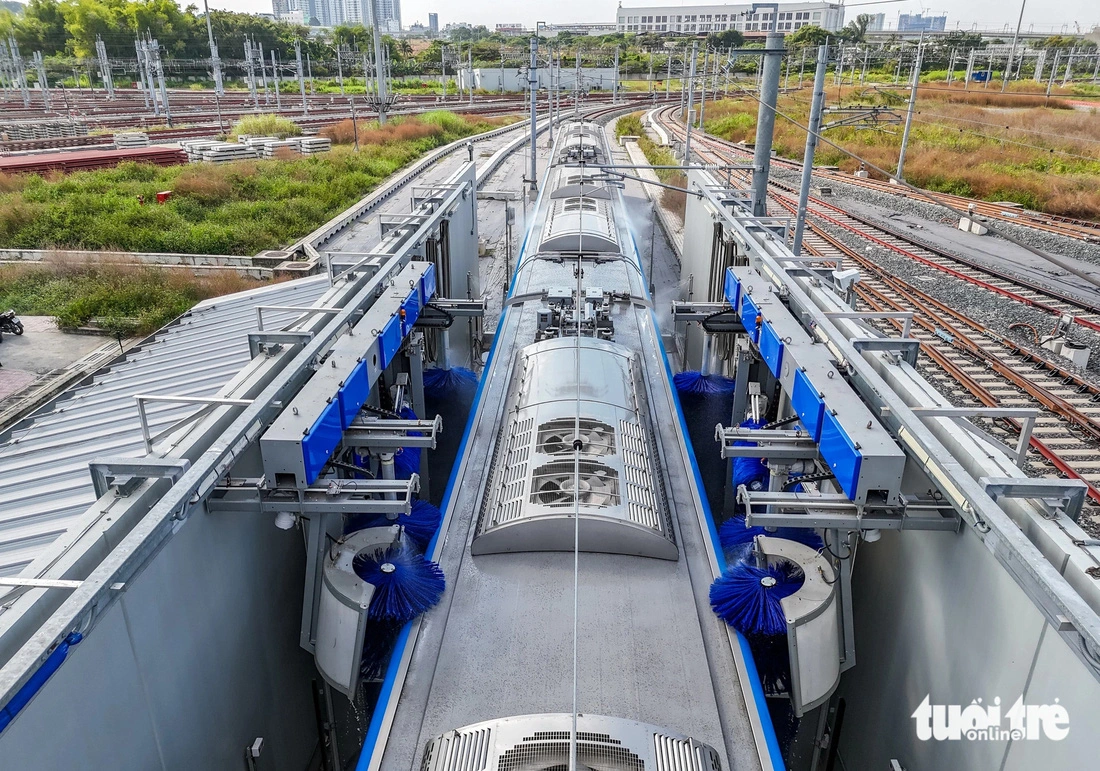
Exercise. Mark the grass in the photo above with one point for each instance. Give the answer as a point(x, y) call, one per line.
point(998, 147)
point(266, 126)
point(239, 208)
point(673, 200)
point(122, 299)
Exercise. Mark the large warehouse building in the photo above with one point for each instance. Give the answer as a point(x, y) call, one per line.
point(738, 16)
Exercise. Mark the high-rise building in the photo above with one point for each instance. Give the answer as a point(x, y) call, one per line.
point(280, 8)
point(433, 23)
point(915, 22)
point(878, 22)
point(359, 12)
point(703, 19)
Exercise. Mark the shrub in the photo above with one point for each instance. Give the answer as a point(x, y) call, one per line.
point(267, 126)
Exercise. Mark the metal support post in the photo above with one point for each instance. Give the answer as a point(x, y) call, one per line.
point(379, 71)
point(909, 114)
point(160, 79)
point(215, 62)
point(703, 89)
point(533, 86)
point(301, 76)
point(615, 84)
point(1053, 71)
point(690, 102)
point(43, 81)
point(1012, 50)
point(765, 120)
point(275, 80)
point(811, 146)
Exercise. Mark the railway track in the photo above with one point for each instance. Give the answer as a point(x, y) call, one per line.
point(199, 113)
point(970, 363)
point(1070, 227)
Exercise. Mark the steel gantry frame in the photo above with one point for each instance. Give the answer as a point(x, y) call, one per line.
point(232, 425)
point(975, 500)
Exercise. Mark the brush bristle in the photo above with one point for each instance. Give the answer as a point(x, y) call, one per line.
point(743, 599)
point(406, 461)
point(377, 648)
point(736, 537)
point(405, 583)
point(698, 383)
point(447, 383)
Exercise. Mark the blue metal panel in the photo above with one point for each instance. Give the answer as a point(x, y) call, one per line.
point(389, 341)
point(841, 454)
point(352, 394)
point(733, 288)
point(427, 284)
point(807, 402)
point(771, 348)
point(749, 312)
point(318, 444)
point(410, 311)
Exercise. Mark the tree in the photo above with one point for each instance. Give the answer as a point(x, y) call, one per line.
point(729, 38)
point(810, 35)
point(856, 31)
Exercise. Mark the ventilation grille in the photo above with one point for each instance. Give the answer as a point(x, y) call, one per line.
point(640, 476)
point(556, 484)
point(514, 472)
point(675, 754)
point(556, 437)
point(461, 751)
point(549, 751)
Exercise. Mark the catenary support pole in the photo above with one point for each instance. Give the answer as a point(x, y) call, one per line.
point(379, 71)
point(816, 107)
point(1012, 50)
point(690, 100)
point(909, 113)
point(533, 87)
point(765, 119)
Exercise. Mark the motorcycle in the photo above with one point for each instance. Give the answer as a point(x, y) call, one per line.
point(8, 323)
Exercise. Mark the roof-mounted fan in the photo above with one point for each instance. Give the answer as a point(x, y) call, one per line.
point(562, 486)
point(559, 436)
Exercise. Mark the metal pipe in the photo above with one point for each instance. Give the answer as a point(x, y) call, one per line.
point(811, 146)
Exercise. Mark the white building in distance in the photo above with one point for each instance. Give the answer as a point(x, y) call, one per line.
point(703, 19)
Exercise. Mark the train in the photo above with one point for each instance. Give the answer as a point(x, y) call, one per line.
point(576, 628)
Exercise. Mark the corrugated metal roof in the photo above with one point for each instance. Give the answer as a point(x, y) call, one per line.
point(44, 480)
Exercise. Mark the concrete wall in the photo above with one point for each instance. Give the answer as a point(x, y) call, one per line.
point(199, 658)
point(937, 615)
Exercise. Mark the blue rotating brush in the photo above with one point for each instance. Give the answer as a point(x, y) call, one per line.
point(421, 523)
point(406, 584)
point(748, 598)
point(736, 537)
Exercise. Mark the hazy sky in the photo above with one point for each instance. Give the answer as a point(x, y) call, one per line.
point(987, 14)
